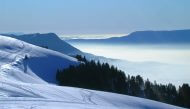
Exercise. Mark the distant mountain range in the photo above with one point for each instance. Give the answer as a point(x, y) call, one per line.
point(143, 37)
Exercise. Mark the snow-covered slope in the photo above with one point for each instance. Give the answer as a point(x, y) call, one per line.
point(23, 69)
point(26, 62)
point(40, 96)
point(50, 40)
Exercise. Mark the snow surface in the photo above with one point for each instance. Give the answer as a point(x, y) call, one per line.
point(25, 71)
point(43, 96)
point(30, 61)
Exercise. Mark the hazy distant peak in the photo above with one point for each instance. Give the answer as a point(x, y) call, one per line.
point(146, 37)
point(13, 33)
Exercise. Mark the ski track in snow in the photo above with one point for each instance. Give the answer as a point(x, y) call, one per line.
point(87, 96)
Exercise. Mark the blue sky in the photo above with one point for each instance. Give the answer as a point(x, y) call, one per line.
point(93, 16)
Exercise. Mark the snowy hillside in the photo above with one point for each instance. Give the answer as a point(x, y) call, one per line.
point(23, 61)
point(49, 40)
point(40, 96)
point(23, 69)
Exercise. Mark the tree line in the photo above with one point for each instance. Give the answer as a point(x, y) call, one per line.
point(103, 77)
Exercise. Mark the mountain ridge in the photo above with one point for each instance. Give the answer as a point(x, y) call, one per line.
point(47, 40)
point(143, 37)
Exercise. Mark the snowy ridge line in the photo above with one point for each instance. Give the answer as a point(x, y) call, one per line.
point(13, 52)
point(19, 50)
point(18, 59)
